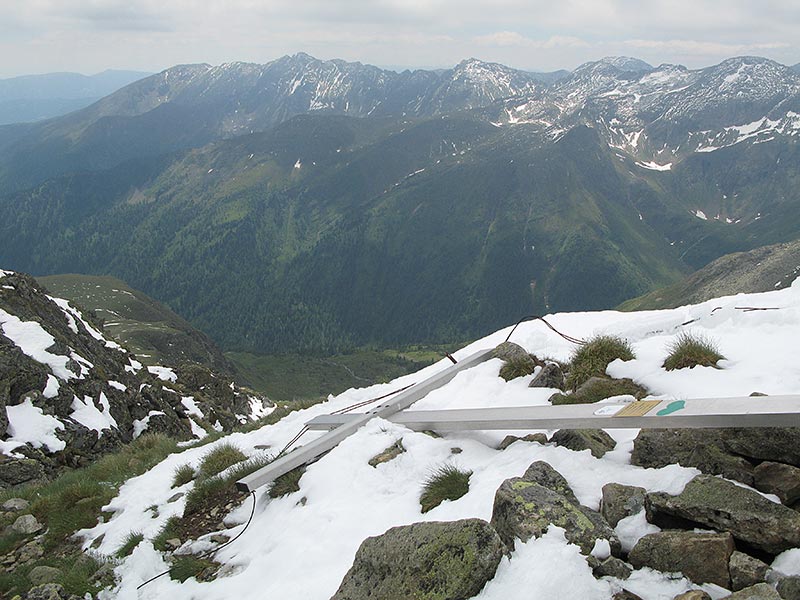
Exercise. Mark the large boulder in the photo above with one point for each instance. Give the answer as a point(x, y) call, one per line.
point(746, 570)
point(779, 479)
point(436, 560)
point(701, 557)
point(621, 501)
point(508, 351)
point(525, 509)
point(550, 376)
point(725, 506)
point(703, 449)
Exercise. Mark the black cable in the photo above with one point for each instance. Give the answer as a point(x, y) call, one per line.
point(569, 338)
point(212, 550)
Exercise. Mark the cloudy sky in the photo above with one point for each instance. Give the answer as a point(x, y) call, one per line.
point(88, 36)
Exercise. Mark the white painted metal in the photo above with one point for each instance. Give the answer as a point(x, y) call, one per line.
point(762, 411)
point(313, 450)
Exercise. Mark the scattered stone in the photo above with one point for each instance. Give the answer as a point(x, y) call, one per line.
point(597, 441)
point(33, 550)
point(723, 505)
point(625, 595)
point(746, 570)
point(551, 376)
point(15, 505)
point(424, 560)
point(219, 538)
point(510, 351)
point(693, 595)
point(48, 591)
point(759, 591)
point(701, 557)
point(789, 588)
point(595, 389)
point(702, 449)
point(175, 497)
point(43, 574)
point(757, 394)
point(390, 453)
point(97, 541)
point(26, 525)
point(539, 438)
point(620, 501)
point(456, 450)
point(613, 567)
point(525, 509)
point(779, 479)
point(173, 543)
point(262, 446)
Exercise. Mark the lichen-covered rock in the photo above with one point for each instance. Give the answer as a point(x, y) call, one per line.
point(620, 501)
point(16, 471)
point(26, 525)
point(551, 376)
point(725, 506)
point(760, 591)
point(612, 567)
point(595, 389)
point(789, 588)
point(508, 351)
point(597, 441)
point(545, 475)
point(703, 449)
point(693, 595)
point(701, 557)
point(779, 479)
point(390, 453)
point(746, 570)
point(43, 574)
point(777, 444)
point(429, 561)
point(525, 509)
point(48, 591)
point(538, 438)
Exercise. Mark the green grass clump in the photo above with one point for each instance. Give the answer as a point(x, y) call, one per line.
point(217, 490)
point(185, 567)
point(517, 366)
point(169, 530)
point(286, 483)
point(219, 459)
point(691, 350)
point(131, 541)
point(183, 475)
point(592, 359)
point(446, 483)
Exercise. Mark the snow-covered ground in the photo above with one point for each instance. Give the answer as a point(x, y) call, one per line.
point(297, 549)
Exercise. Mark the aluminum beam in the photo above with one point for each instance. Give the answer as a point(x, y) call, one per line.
point(313, 450)
point(763, 411)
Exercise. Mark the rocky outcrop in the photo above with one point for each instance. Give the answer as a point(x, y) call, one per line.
point(746, 570)
point(722, 505)
point(779, 479)
point(451, 560)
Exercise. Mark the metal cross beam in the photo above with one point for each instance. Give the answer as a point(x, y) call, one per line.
point(762, 411)
point(320, 446)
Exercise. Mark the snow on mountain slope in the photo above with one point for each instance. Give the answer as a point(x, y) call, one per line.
point(302, 549)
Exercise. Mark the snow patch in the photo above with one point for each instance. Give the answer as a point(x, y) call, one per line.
point(163, 373)
point(34, 341)
point(87, 414)
point(654, 166)
point(27, 424)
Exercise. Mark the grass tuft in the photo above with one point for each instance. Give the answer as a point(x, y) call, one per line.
point(131, 541)
point(592, 359)
point(219, 459)
point(185, 567)
point(517, 366)
point(692, 350)
point(446, 483)
point(286, 483)
point(169, 530)
point(183, 475)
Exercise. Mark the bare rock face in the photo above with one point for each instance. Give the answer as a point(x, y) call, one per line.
point(722, 505)
point(779, 479)
point(701, 557)
point(524, 508)
point(452, 560)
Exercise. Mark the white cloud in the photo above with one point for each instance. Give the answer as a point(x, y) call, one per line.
point(512, 38)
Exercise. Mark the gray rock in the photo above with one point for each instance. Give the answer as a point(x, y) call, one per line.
point(703, 449)
point(542, 473)
point(725, 506)
point(524, 509)
point(451, 560)
point(625, 595)
point(175, 497)
point(701, 557)
point(43, 574)
point(16, 471)
point(172, 543)
point(595, 389)
point(551, 376)
point(597, 441)
point(538, 438)
point(390, 453)
point(789, 588)
point(508, 351)
point(613, 567)
point(48, 591)
point(26, 525)
point(746, 570)
point(777, 444)
point(693, 595)
point(15, 504)
point(621, 501)
point(33, 550)
point(779, 479)
point(759, 591)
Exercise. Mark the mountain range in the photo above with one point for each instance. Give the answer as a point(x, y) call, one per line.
point(316, 205)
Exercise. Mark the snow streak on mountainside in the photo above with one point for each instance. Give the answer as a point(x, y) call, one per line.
point(301, 545)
